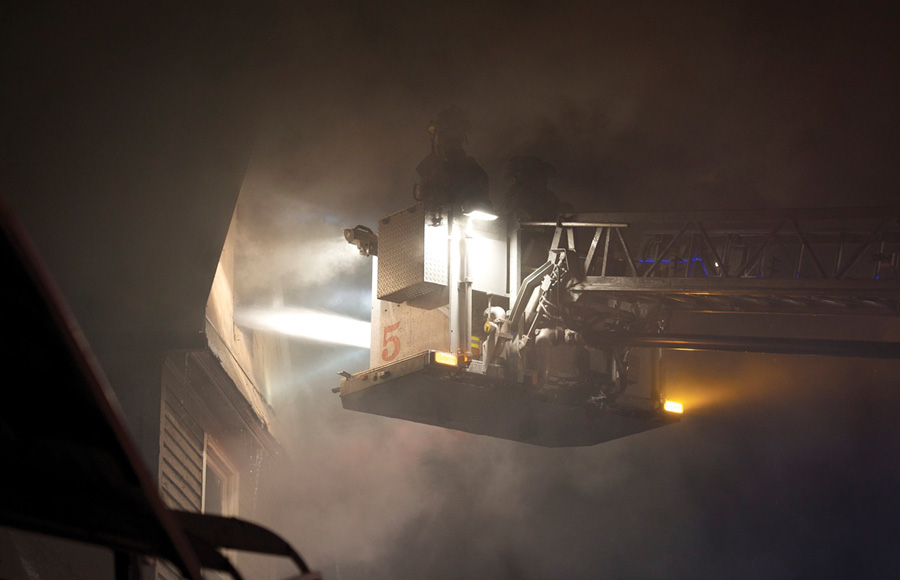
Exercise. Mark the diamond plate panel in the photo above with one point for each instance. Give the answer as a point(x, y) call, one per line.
point(412, 255)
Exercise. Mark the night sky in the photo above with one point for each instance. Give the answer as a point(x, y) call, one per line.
point(783, 466)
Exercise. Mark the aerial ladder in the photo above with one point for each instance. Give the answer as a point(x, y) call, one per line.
point(553, 333)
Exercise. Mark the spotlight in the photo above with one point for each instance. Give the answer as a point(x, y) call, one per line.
point(364, 239)
point(479, 211)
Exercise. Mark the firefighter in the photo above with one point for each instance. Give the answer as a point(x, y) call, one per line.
point(448, 175)
point(528, 198)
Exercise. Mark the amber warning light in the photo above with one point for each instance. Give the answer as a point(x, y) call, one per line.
point(445, 358)
point(673, 406)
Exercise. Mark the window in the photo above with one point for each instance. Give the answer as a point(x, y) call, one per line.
point(220, 482)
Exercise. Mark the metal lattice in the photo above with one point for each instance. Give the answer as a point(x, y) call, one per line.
point(840, 260)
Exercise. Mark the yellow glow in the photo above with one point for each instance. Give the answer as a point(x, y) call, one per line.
point(445, 358)
point(673, 406)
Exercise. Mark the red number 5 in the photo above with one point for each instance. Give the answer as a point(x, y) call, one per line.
point(386, 340)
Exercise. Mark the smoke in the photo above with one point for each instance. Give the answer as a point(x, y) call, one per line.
point(126, 130)
point(287, 242)
point(755, 481)
point(781, 466)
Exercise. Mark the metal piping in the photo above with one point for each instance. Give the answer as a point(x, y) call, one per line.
point(781, 345)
